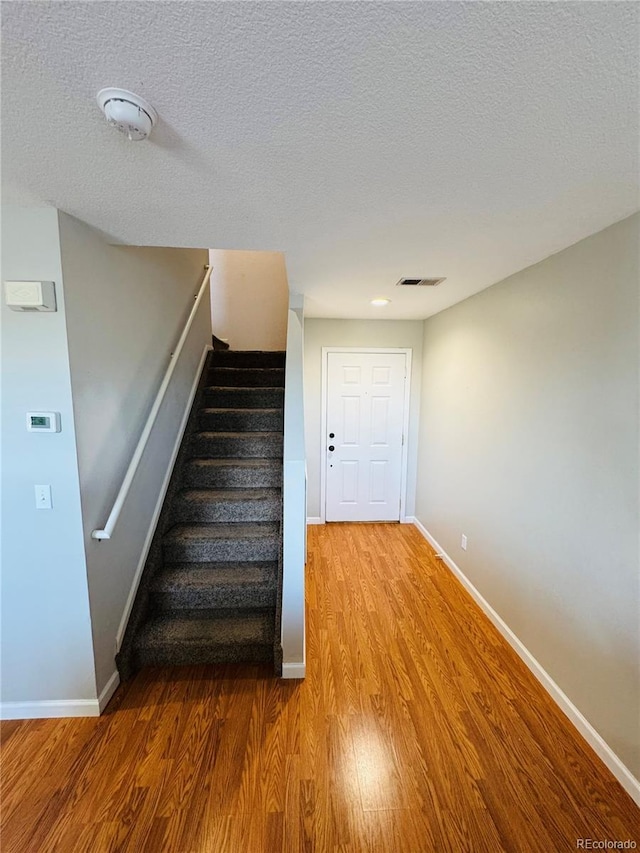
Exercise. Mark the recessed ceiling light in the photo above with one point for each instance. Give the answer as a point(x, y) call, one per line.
point(380, 301)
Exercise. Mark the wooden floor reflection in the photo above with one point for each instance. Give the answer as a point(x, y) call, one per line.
point(417, 729)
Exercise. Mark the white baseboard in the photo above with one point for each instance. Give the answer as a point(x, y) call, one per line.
point(161, 496)
point(53, 708)
point(408, 519)
point(109, 689)
point(294, 670)
point(49, 708)
point(584, 727)
point(314, 519)
point(297, 669)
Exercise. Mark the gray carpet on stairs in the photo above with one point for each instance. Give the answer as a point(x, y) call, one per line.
point(209, 590)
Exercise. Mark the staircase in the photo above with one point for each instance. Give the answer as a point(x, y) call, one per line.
point(211, 586)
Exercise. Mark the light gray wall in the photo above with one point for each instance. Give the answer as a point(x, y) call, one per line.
point(126, 308)
point(529, 446)
point(356, 333)
point(249, 299)
point(46, 629)
point(293, 496)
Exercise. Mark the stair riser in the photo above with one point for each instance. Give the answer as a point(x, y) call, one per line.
point(231, 550)
point(171, 655)
point(244, 398)
point(229, 477)
point(221, 597)
point(272, 378)
point(229, 358)
point(237, 510)
point(241, 421)
point(234, 447)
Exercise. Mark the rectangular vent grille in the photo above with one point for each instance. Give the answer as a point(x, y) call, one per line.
point(419, 282)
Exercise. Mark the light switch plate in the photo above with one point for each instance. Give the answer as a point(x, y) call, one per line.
point(43, 497)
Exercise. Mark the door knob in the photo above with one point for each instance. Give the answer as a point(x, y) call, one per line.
point(331, 447)
point(332, 435)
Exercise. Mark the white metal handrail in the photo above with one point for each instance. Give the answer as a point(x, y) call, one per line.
point(107, 530)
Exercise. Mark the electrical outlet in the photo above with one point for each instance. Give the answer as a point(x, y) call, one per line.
point(463, 542)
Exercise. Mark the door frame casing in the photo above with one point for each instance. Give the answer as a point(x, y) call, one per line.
point(407, 351)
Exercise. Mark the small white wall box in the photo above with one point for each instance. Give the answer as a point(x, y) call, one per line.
point(43, 421)
point(30, 295)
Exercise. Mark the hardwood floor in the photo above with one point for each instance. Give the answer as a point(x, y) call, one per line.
point(417, 729)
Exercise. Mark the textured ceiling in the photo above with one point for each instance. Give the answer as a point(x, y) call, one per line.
point(368, 141)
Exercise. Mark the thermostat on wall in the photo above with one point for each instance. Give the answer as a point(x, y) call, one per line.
point(43, 421)
point(30, 295)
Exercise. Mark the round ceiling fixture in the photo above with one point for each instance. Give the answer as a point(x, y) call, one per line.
point(380, 301)
point(127, 112)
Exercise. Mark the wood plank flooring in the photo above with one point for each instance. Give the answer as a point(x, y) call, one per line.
point(417, 729)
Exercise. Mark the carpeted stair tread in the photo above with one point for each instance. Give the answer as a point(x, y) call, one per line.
point(247, 410)
point(250, 473)
point(206, 636)
point(256, 530)
point(197, 575)
point(234, 505)
point(235, 434)
point(248, 358)
point(216, 585)
point(251, 463)
point(206, 495)
point(239, 463)
point(198, 625)
point(230, 397)
point(241, 541)
point(246, 377)
point(241, 419)
point(248, 435)
point(237, 444)
point(235, 372)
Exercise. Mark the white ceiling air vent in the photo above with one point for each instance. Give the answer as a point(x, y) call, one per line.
point(127, 112)
point(419, 282)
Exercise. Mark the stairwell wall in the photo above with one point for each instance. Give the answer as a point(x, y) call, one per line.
point(249, 299)
point(126, 308)
point(47, 658)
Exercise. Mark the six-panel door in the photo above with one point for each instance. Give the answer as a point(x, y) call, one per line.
point(365, 400)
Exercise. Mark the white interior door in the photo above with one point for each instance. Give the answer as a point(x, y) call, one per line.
point(363, 442)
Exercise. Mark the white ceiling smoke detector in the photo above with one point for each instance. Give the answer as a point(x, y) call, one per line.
point(129, 113)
